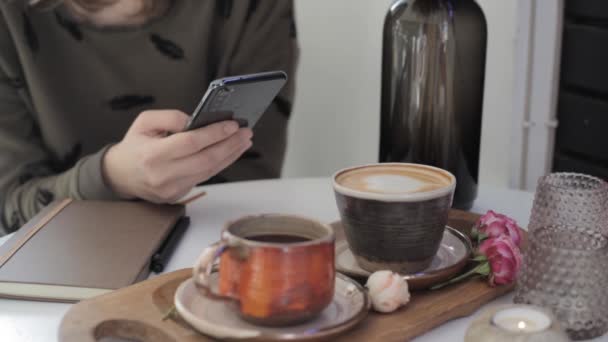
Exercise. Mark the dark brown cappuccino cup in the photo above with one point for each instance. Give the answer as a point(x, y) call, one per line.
point(394, 214)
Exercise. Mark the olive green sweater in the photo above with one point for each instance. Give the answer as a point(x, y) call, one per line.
point(69, 90)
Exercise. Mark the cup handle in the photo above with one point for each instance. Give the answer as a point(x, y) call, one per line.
point(203, 267)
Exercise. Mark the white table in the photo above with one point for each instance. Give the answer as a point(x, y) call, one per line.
point(33, 321)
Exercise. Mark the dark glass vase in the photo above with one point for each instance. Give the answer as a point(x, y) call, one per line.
point(433, 67)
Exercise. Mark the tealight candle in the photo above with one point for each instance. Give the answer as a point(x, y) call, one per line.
point(509, 323)
point(522, 320)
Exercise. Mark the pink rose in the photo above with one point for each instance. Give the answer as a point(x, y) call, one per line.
point(493, 225)
point(504, 258)
point(498, 256)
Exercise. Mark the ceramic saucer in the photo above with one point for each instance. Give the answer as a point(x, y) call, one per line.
point(215, 319)
point(451, 257)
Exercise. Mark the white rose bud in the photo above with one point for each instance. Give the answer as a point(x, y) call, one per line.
point(388, 291)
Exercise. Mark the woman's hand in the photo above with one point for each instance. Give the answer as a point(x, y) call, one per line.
point(152, 165)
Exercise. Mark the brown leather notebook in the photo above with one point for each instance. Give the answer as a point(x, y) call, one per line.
point(74, 250)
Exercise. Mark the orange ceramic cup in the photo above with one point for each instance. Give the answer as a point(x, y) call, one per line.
point(278, 269)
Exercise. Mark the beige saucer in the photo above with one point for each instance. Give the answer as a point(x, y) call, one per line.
point(215, 319)
point(451, 257)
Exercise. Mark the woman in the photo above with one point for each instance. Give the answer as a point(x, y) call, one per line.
point(90, 89)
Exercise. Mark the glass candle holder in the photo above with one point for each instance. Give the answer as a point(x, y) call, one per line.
point(564, 270)
point(572, 200)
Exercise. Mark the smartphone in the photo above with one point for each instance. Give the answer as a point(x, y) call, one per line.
point(242, 98)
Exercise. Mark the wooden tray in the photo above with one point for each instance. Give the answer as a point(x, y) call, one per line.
point(136, 312)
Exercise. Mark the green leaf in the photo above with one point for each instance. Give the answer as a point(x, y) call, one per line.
point(482, 269)
point(474, 233)
point(480, 258)
point(477, 235)
point(481, 237)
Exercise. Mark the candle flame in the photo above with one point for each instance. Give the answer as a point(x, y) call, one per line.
point(521, 325)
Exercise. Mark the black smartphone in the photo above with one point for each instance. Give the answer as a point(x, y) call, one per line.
point(242, 98)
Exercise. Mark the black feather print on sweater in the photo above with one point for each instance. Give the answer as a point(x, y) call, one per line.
point(167, 47)
point(129, 101)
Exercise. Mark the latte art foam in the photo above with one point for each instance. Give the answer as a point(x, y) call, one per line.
point(394, 179)
point(392, 184)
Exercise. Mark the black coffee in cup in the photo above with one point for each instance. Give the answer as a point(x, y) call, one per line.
point(394, 214)
point(277, 238)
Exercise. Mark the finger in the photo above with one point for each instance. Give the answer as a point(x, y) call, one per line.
point(188, 183)
point(164, 175)
point(229, 160)
point(204, 162)
point(153, 122)
point(219, 167)
point(187, 143)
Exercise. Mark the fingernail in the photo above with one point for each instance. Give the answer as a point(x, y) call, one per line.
point(231, 128)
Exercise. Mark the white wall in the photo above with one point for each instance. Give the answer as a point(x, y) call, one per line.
point(336, 115)
point(498, 118)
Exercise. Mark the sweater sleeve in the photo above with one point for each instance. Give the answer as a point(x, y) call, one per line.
point(267, 41)
point(29, 176)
